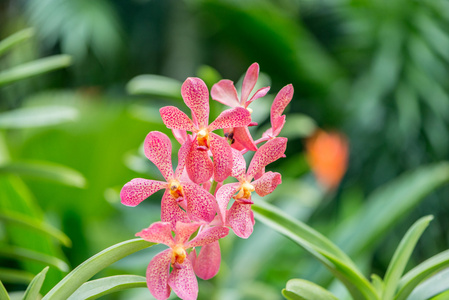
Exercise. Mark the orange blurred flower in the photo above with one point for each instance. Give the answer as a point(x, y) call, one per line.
point(327, 154)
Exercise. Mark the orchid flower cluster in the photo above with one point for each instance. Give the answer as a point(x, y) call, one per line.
point(195, 201)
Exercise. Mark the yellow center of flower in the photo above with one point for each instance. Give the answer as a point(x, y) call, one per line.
point(250, 110)
point(245, 191)
point(178, 255)
point(175, 189)
point(203, 138)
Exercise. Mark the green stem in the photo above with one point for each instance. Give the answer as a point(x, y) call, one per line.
point(213, 187)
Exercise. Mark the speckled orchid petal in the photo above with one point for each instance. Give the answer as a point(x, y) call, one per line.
point(224, 92)
point(223, 196)
point(267, 183)
point(200, 203)
point(182, 157)
point(157, 148)
point(180, 135)
point(184, 230)
point(266, 154)
point(196, 96)
point(139, 189)
point(235, 117)
point(174, 118)
point(240, 218)
point(183, 281)
point(243, 136)
point(277, 125)
point(170, 210)
point(207, 263)
point(157, 275)
point(281, 101)
point(238, 164)
point(208, 236)
point(198, 164)
point(249, 82)
point(159, 232)
point(259, 94)
point(222, 154)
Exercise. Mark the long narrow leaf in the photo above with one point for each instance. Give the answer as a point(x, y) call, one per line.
point(15, 39)
point(33, 68)
point(31, 117)
point(37, 225)
point(92, 266)
point(96, 288)
point(27, 254)
point(416, 275)
point(35, 286)
point(155, 85)
point(402, 255)
point(299, 289)
point(431, 287)
point(3, 292)
point(15, 276)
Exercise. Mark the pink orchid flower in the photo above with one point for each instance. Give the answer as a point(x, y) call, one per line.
point(224, 91)
point(197, 202)
point(184, 266)
point(240, 216)
point(199, 166)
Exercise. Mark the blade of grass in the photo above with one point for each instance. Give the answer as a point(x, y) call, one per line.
point(33, 289)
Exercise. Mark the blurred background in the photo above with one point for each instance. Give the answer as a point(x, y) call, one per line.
point(374, 71)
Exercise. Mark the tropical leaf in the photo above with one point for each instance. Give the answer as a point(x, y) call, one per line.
point(33, 289)
point(15, 276)
point(299, 289)
point(431, 287)
point(155, 85)
point(30, 117)
point(15, 39)
point(3, 292)
point(27, 254)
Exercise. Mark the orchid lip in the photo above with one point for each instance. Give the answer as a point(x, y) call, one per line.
point(178, 255)
point(203, 139)
point(175, 189)
point(245, 191)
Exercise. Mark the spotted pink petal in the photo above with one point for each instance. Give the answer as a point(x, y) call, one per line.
point(240, 218)
point(182, 157)
point(235, 117)
point(208, 261)
point(200, 203)
point(198, 164)
point(157, 147)
point(224, 92)
point(170, 210)
point(139, 189)
point(243, 136)
point(157, 275)
point(238, 164)
point(267, 183)
point(259, 94)
point(159, 232)
point(196, 96)
point(208, 236)
point(249, 82)
point(266, 154)
point(174, 118)
point(281, 101)
point(180, 135)
point(183, 281)
point(277, 125)
point(222, 154)
point(224, 194)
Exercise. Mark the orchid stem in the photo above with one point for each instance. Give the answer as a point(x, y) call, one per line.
point(213, 187)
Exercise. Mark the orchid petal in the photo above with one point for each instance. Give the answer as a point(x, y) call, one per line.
point(208, 236)
point(139, 189)
point(266, 154)
point(222, 154)
point(198, 164)
point(200, 203)
point(182, 157)
point(224, 92)
point(224, 194)
point(277, 125)
point(174, 118)
point(249, 82)
point(259, 94)
point(281, 101)
point(196, 96)
point(235, 117)
point(157, 275)
point(238, 164)
point(158, 232)
point(207, 263)
point(184, 230)
point(157, 147)
point(243, 136)
point(183, 281)
point(180, 135)
point(170, 210)
point(267, 183)
point(240, 218)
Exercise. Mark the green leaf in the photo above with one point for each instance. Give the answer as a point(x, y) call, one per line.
point(30, 117)
point(3, 292)
point(103, 286)
point(298, 126)
point(34, 224)
point(27, 254)
point(431, 287)
point(442, 296)
point(378, 284)
point(416, 275)
point(299, 289)
point(33, 289)
point(45, 170)
point(15, 276)
point(155, 85)
point(319, 246)
point(402, 255)
point(92, 266)
point(33, 68)
point(15, 39)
